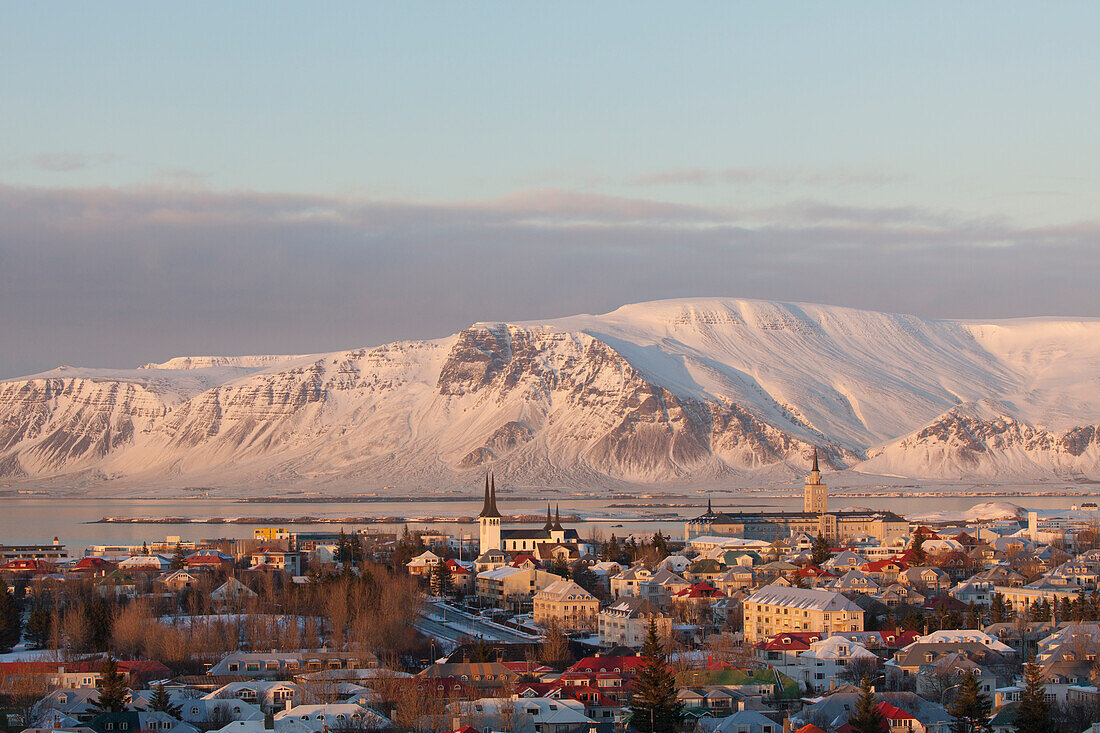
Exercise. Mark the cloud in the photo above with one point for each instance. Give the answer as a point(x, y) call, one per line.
point(110, 277)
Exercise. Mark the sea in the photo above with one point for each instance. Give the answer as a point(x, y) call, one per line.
point(77, 522)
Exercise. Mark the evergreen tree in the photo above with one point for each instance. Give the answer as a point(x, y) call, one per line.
point(660, 545)
point(342, 554)
point(866, 718)
point(820, 550)
point(144, 547)
point(558, 567)
point(1033, 714)
point(162, 703)
point(11, 622)
point(654, 705)
point(970, 707)
point(39, 626)
point(178, 558)
point(916, 551)
point(997, 610)
point(99, 616)
point(112, 687)
point(442, 580)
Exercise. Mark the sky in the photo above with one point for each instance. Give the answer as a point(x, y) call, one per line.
point(236, 178)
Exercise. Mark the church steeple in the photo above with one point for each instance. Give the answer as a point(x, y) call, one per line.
point(815, 497)
point(557, 518)
point(489, 507)
point(815, 468)
point(549, 524)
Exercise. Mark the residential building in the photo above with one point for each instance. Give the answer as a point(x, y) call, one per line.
point(775, 609)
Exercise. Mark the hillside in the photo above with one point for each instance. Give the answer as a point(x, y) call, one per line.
point(703, 391)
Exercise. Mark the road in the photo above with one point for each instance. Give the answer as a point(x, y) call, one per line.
point(461, 625)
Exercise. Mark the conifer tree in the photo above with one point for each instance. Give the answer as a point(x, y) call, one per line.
point(1034, 714)
point(442, 580)
point(820, 550)
point(39, 626)
point(970, 707)
point(162, 703)
point(112, 687)
point(655, 706)
point(144, 547)
point(178, 558)
point(916, 551)
point(867, 718)
point(11, 622)
point(997, 611)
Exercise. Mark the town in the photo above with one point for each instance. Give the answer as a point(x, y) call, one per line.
point(736, 622)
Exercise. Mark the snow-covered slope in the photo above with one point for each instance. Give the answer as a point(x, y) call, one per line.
point(702, 390)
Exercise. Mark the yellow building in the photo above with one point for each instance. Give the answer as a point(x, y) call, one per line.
point(511, 587)
point(271, 534)
point(568, 604)
point(775, 609)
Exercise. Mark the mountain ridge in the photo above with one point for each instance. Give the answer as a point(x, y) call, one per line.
point(699, 390)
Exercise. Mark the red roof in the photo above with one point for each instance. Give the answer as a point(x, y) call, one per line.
point(28, 565)
point(813, 571)
point(699, 590)
point(200, 560)
point(528, 667)
point(92, 563)
point(595, 665)
point(879, 566)
point(524, 557)
point(455, 567)
point(798, 640)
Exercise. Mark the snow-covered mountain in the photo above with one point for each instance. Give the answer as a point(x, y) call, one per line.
point(701, 390)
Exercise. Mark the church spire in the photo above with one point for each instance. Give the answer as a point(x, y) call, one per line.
point(489, 506)
point(557, 517)
point(815, 469)
point(549, 524)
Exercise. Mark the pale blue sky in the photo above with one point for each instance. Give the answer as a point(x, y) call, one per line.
point(845, 133)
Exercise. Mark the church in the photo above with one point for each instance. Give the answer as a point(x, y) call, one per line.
point(514, 541)
point(814, 519)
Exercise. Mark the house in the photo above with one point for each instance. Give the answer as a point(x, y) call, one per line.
point(231, 591)
point(204, 710)
point(208, 561)
point(179, 580)
point(854, 581)
point(132, 721)
point(277, 558)
point(628, 582)
point(480, 675)
point(423, 564)
point(522, 715)
point(509, 587)
point(775, 609)
point(268, 695)
point(782, 651)
point(625, 622)
point(974, 592)
point(826, 659)
point(567, 604)
point(281, 665)
point(895, 720)
point(748, 721)
point(490, 560)
point(334, 716)
point(925, 578)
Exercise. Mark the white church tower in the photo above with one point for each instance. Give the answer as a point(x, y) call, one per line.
point(489, 519)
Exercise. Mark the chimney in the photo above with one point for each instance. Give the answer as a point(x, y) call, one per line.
point(269, 721)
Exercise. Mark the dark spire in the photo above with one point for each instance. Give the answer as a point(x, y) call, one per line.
point(709, 510)
point(549, 524)
point(557, 517)
point(815, 460)
point(489, 507)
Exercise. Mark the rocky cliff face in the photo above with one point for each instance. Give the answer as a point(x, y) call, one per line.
point(683, 391)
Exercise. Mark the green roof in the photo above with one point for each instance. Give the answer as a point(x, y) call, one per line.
point(740, 677)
